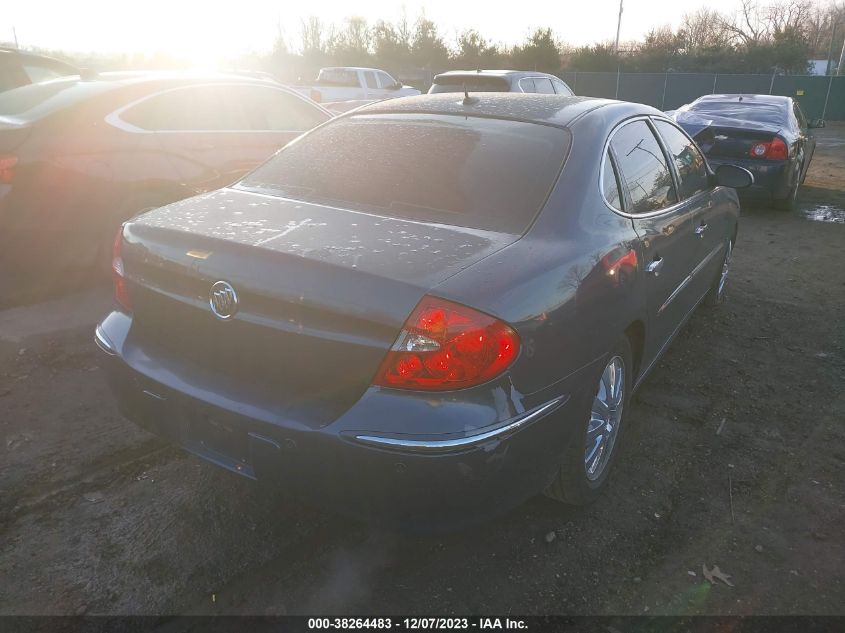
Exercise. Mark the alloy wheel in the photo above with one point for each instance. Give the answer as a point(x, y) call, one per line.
point(605, 416)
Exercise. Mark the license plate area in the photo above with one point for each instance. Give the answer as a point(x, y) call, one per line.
point(219, 439)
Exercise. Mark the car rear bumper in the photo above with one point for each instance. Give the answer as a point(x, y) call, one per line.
point(773, 179)
point(408, 480)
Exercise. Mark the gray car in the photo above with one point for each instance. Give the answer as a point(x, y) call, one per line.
point(499, 81)
point(426, 310)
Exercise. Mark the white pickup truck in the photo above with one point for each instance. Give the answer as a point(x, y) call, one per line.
point(347, 83)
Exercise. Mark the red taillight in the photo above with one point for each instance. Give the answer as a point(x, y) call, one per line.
point(775, 149)
point(445, 345)
point(316, 95)
point(7, 168)
point(121, 294)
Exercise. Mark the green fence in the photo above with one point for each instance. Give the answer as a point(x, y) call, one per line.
point(819, 96)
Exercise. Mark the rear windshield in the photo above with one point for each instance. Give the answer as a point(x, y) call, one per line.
point(475, 172)
point(35, 101)
point(456, 83)
point(764, 113)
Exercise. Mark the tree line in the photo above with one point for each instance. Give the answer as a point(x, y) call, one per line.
point(781, 36)
point(761, 36)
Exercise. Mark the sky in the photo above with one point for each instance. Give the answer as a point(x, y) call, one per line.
point(211, 30)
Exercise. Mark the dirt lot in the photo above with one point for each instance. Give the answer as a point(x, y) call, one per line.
point(734, 458)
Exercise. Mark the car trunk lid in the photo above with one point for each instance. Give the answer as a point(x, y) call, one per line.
point(322, 293)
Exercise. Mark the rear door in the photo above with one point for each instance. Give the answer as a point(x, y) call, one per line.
point(712, 220)
point(371, 87)
point(665, 227)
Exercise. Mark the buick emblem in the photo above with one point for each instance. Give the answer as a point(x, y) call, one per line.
point(223, 300)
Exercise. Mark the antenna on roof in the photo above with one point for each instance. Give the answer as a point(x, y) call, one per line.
point(467, 99)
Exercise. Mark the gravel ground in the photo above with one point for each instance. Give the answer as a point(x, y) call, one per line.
point(734, 459)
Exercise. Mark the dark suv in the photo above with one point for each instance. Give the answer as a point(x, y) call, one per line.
point(499, 81)
point(19, 68)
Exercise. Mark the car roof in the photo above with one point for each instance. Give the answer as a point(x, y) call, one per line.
point(126, 77)
point(107, 81)
point(493, 73)
point(352, 68)
point(557, 110)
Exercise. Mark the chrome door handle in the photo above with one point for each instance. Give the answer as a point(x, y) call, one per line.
point(655, 267)
point(699, 231)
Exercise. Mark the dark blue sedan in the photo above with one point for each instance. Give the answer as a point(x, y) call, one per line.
point(767, 134)
point(427, 310)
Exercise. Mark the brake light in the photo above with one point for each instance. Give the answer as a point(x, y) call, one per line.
point(121, 293)
point(316, 95)
point(775, 149)
point(444, 346)
point(7, 168)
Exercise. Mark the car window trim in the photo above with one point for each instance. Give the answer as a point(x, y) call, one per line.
point(623, 191)
point(628, 214)
point(114, 119)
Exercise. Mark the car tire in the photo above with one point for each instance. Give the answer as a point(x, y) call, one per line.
point(574, 482)
point(716, 296)
point(790, 202)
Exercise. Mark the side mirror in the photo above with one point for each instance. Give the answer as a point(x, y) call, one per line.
point(733, 177)
point(815, 123)
point(395, 86)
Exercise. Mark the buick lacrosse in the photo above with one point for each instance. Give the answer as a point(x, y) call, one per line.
point(427, 310)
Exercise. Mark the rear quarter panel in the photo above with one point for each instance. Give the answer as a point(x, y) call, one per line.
point(555, 285)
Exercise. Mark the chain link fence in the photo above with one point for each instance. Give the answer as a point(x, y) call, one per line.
point(821, 97)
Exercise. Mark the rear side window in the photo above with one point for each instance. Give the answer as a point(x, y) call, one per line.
point(543, 86)
point(527, 84)
point(692, 170)
point(224, 107)
point(271, 109)
point(643, 167)
point(561, 88)
point(610, 184)
point(386, 80)
point(370, 78)
point(465, 171)
point(199, 108)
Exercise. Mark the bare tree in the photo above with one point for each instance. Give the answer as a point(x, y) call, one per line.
point(748, 25)
point(704, 29)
